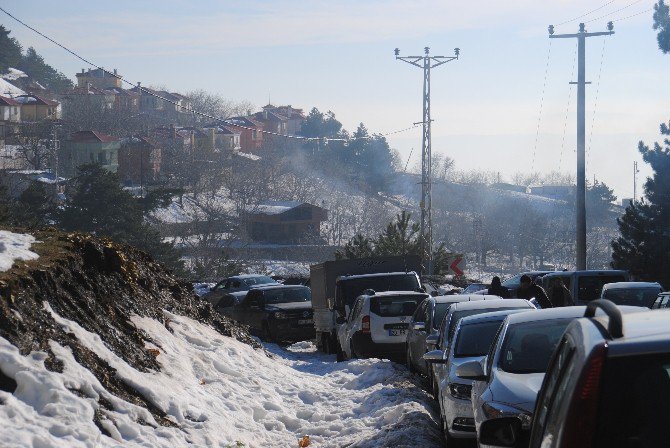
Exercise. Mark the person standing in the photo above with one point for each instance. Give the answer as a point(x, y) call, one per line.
point(529, 290)
point(559, 294)
point(497, 289)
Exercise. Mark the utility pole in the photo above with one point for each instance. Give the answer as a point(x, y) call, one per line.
point(55, 146)
point(635, 171)
point(426, 62)
point(581, 133)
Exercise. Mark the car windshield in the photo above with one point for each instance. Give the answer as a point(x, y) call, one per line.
point(258, 280)
point(394, 306)
point(632, 296)
point(287, 295)
point(474, 288)
point(439, 313)
point(476, 339)
point(458, 315)
point(528, 346)
point(349, 289)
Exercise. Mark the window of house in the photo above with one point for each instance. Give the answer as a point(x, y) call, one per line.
point(102, 158)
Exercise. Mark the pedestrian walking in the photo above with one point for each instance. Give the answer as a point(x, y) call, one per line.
point(497, 289)
point(529, 290)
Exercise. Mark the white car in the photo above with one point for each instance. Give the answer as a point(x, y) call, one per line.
point(377, 325)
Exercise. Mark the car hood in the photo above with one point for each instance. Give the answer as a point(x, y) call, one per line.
point(519, 390)
point(455, 362)
point(289, 306)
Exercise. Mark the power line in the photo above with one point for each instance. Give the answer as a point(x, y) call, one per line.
point(614, 12)
point(588, 13)
point(225, 121)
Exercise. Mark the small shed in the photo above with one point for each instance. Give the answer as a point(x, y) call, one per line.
point(285, 222)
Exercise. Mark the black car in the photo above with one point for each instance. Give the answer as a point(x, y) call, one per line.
point(228, 288)
point(277, 313)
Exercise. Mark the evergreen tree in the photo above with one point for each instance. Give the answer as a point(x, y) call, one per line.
point(10, 51)
point(34, 66)
point(34, 207)
point(97, 204)
point(662, 24)
point(400, 237)
point(644, 245)
point(358, 247)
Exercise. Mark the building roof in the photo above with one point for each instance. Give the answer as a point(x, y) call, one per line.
point(35, 100)
point(276, 207)
point(243, 121)
point(92, 136)
point(5, 101)
point(97, 73)
point(9, 89)
point(139, 140)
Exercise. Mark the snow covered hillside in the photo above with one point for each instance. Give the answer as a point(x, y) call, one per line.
point(216, 391)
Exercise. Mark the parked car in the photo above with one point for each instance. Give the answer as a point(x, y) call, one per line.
point(585, 286)
point(607, 384)
point(425, 326)
point(277, 313)
point(235, 284)
point(632, 293)
point(377, 325)
point(472, 340)
point(506, 384)
point(464, 309)
point(662, 301)
point(514, 283)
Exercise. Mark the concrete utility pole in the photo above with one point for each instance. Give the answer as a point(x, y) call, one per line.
point(635, 171)
point(581, 133)
point(426, 63)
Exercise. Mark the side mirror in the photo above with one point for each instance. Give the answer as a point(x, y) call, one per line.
point(503, 431)
point(419, 326)
point(435, 357)
point(339, 320)
point(472, 370)
point(432, 341)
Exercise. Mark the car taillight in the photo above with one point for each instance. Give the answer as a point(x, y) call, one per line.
point(580, 428)
point(365, 324)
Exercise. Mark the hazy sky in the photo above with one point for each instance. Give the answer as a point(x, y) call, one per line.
point(338, 55)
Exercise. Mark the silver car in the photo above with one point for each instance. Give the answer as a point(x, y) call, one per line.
point(425, 327)
point(472, 340)
point(506, 383)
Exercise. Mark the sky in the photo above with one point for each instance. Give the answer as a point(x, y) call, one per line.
point(504, 106)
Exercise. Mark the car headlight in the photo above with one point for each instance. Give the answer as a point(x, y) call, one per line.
point(280, 315)
point(493, 410)
point(460, 391)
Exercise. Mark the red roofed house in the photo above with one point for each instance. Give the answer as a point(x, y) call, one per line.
point(35, 108)
point(10, 110)
point(86, 147)
point(250, 130)
point(139, 161)
point(294, 117)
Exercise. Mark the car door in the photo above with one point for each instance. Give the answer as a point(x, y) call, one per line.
point(256, 309)
point(350, 326)
point(414, 336)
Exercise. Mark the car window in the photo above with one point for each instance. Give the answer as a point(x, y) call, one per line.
point(632, 296)
point(591, 286)
point(420, 313)
point(492, 348)
point(634, 409)
point(258, 280)
point(664, 302)
point(221, 285)
point(355, 311)
point(287, 295)
point(529, 345)
point(475, 339)
point(513, 282)
point(439, 312)
point(393, 306)
point(427, 313)
point(458, 315)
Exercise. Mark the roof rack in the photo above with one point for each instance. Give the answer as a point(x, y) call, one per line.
point(615, 325)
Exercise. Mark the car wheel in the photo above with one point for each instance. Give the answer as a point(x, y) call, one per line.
point(408, 361)
point(341, 356)
point(266, 335)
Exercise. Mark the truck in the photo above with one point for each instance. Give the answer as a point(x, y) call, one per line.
point(336, 284)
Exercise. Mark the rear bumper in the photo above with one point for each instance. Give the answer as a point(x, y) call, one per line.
point(365, 347)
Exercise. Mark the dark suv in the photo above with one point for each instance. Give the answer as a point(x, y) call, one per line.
point(277, 313)
point(607, 384)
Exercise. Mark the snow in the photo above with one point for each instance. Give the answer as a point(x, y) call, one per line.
point(13, 74)
point(275, 207)
point(249, 155)
point(15, 246)
point(219, 391)
point(10, 90)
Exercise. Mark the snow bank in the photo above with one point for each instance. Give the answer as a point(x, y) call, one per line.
point(218, 391)
point(15, 246)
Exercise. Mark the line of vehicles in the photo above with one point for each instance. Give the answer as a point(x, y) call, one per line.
point(505, 373)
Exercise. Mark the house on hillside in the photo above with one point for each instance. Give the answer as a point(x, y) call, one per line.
point(294, 117)
point(556, 192)
point(10, 110)
point(285, 222)
point(35, 108)
point(83, 99)
point(139, 161)
point(224, 138)
point(99, 78)
point(86, 147)
point(161, 101)
point(250, 130)
point(17, 181)
point(272, 121)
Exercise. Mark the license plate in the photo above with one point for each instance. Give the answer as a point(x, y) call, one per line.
point(397, 332)
point(305, 321)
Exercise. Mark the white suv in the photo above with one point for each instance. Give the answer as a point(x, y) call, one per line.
point(377, 324)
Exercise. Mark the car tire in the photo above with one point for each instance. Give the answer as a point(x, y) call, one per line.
point(341, 356)
point(408, 361)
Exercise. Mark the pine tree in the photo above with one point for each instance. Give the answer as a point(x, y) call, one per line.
point(662, 24)
point(33, 65)
point(10, 51)
point(644, 245)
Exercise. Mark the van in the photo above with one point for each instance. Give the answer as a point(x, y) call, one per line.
point(584, 286)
